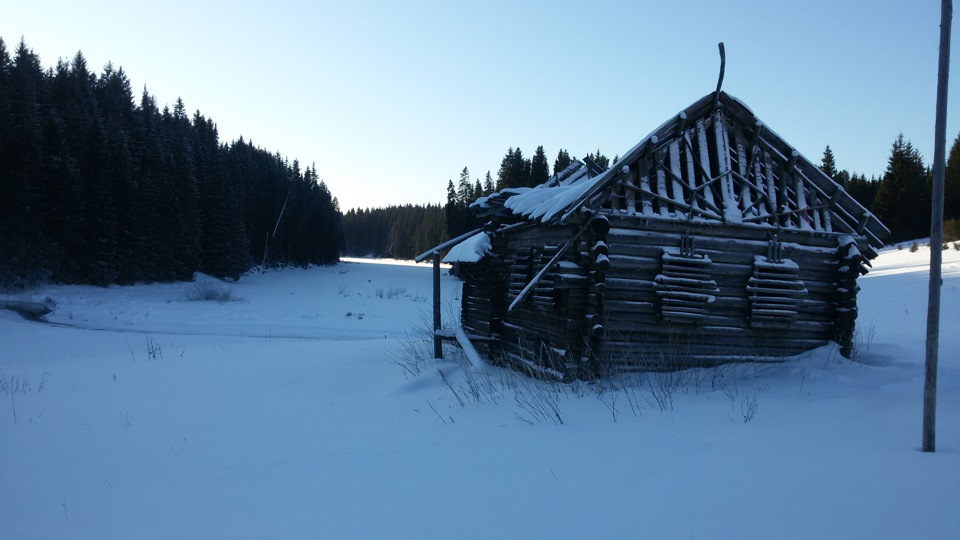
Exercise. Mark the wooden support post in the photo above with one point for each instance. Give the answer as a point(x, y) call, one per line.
point(437, 346)
point(936, 234)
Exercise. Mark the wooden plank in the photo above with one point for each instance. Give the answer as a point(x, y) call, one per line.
point(691, 172)
point(645, 201)
point(675, 174)
point(704, 163)
point(746, 198)
point(662, 187)
point(731, 210)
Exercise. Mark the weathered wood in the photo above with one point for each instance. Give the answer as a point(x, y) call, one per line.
point(731, 212)
point(437, 345)
point(449, 243)
point(556, 258)
point(705, 164)
point(676, 180)
point(936, 235)
point(746, 197)
point(691, 171)
point(645, 200)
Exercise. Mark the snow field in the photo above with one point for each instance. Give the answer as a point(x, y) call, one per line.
point(286, 415)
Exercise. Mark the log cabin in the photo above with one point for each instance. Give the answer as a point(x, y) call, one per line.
point(711, 240)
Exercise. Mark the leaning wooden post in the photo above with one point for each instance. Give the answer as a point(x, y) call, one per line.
point(936, 235)
point(437, 346)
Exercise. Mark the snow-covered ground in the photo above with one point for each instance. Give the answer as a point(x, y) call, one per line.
point(293, 412)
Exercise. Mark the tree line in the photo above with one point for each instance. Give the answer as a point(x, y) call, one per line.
point(901, 197)
point(376, 232)
point(397, 232)
point(96, 188)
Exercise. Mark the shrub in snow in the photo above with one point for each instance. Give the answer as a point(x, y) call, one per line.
point(951, 230)
point(209, 291)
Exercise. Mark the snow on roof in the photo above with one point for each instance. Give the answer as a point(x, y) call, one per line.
point(470, 250)
point(485, 201)
point(543, 202)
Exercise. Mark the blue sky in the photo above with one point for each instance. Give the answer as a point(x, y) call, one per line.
point(392, 99)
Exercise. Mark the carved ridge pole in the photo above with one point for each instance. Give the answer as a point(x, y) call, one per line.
point(936, 234)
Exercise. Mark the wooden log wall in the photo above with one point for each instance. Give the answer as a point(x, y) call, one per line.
point(850, 266)
point(547, 329)
point(637, 333)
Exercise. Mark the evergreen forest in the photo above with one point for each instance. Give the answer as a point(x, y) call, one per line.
point(99, 188)
point(901, 197)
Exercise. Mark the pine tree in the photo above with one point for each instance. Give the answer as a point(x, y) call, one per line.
point(864, 191)
point(452, 211)
point(488, 186)
point(464, 189)
point(902, 200)
point(504, 175)
point(951, 183)
point(600, 159)
point(539, 168)
point(23, 244)
point(514, 170)
point(828, 164)
point(223, 241)
point(562, 162)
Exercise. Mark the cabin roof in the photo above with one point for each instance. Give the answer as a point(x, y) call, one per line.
point(575, 190)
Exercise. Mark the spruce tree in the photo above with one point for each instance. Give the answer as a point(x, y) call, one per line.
point(488, 186)
point(828, 164)
point(902, 201)
point(452, 211)
point(951, 183)
point(23, 244)
point(864, 191)
point(562, 162)
point(539, 168)
point(514, 170)
point(464, 189)
point(600, 159)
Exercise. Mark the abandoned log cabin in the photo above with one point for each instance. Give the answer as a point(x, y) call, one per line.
point(712, 240)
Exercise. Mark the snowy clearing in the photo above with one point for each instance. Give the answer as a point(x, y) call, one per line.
point(295, 410)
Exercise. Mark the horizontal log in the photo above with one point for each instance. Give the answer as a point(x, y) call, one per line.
point(619, 225)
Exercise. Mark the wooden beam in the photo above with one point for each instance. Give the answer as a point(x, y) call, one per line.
point(468, 349)
point(445, 245)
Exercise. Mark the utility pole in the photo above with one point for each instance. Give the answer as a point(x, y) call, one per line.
point(936, 234)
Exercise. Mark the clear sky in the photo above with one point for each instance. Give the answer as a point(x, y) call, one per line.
point(390, 99)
